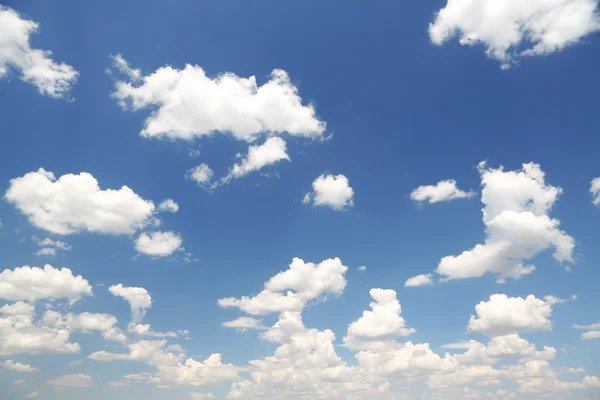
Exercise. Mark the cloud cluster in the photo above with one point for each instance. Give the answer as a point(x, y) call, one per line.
point(510, 29)
point(441, 191)
point(33, 66)
point(333, 191)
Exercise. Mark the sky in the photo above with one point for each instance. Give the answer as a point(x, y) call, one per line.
point(222, 199)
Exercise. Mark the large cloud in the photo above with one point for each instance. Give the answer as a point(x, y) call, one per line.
point(74, 203)
point(511, 28)
point(34, 66)
point(518, 227)
point(33, 283)
point(189, 104)
point(158, 244)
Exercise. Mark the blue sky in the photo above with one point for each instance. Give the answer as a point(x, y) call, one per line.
point(365, 151)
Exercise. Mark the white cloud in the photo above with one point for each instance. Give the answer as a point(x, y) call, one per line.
point(201, 174)
point(34, 66)
point(517, 225)
point(74, 203)
point(123, 67)
point(331, 190)
point(168, 205)
point(86, 322)
point(503, 315)
point(201, 396)
point(591, 382)
point(32, 395)
point(33, 283)
point(244, 323)
point(18, 367)
point(158, 244)
point(146, 330)
point(382, 322)
point(593, 331)
point(270, 152)
point(362, 268)
point(510, 29)
point(419, 280)
point(72, 381)
point(595, 191)
point(50, 247)
point(302, 281)
point(552, 300)
point(441, 191)
point(237, 105)
point(138, 298)
point(18, 308)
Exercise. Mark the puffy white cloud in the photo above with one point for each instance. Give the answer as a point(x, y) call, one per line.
point(441, 191)
point(18, 308)
point(517, 226)
point(33, 283)
point(237, 105)
point(362, 268)
point(593, 331)
point(74, 203)
point(503, 315)
point(591, 382)
point(244, 323)
point(201, 174)
point(331, 190)
point(72, 381)
point(49, 247)
point(510, 29)
point(34, 66)
point(158, 244)
point(86, 322)
point(303, 281)
point(595, 191)
point(168, 205)
point(138, 298)
point(270, 152)
point(201, 396)
point(122, 66)
point(383, 322)
point(146, 330)
point(173, 369)
point(419, 280)
point(18, 367)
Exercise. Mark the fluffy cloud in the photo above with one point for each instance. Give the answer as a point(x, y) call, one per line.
point(237, 105)
point(509, 29)
point(173, 369)
point(18, 367)
point(158, 244)
point(49, 247)
point(332, 191)
point(138, 298)
point(201, 174)
point(419, 280)
point(552, 300)
point(18, 308)
point(86, 322)
point(517, 224)
point(74, 203)
point(302, 281)
point(34, 66)
point(441, 191)
point(593, 331)
point(382, 322)
point(270, 152)
point(72, 381)
point(168, 205)
point(503, 315)
point(595, 191)
point(146, 330)
point(33, 283)
point(244, 323)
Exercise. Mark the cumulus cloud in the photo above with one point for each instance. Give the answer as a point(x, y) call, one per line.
point(518, 227)
point(18, 367)
point(201, 396)
point(168, 205)
point(382, 322)
point(138, 298)
point(593, 331)
point(49, 247)
point(244, 323)
point(332, 191)
point(270, 152)
point(158, 244)
point(33, 66)
point(72, 381)
point(441, 191)
point(419, 280)
point(552, 300)
point(33, 283)
point(510, 29)
point(595, 191)
point(302, 282)
point(201, 174)
point(86, 322)
point(74, 203)
point(18, 308)
point(503, 315)
point(238, 106)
